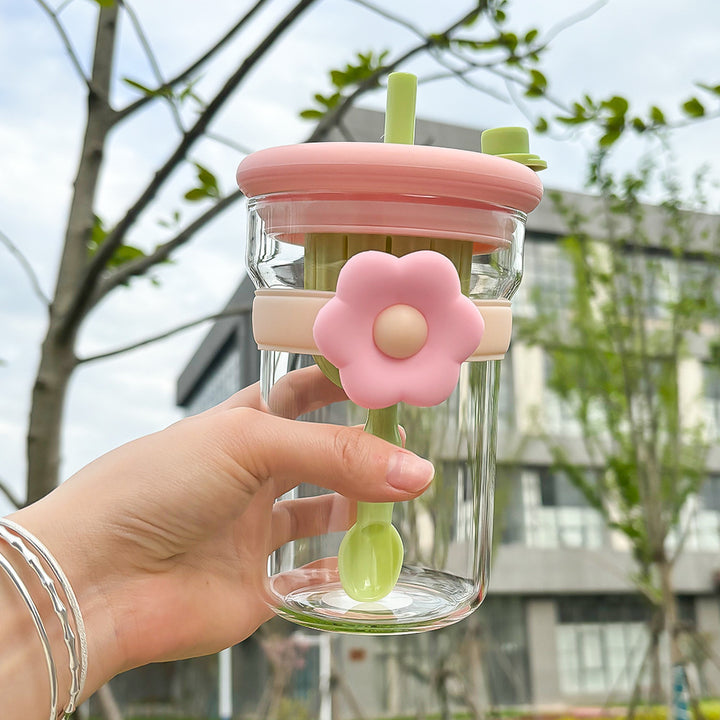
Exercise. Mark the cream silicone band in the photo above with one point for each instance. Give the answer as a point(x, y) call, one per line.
point(283, 320)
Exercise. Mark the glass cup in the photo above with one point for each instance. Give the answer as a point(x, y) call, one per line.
point(312, 209)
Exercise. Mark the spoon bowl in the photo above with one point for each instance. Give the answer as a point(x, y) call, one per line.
point(370, 559)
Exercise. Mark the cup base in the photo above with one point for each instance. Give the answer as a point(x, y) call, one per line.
point(421, 600)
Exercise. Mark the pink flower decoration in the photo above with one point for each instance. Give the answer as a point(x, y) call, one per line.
point(398, 329)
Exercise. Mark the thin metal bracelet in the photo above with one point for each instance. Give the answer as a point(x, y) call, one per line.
point(57, 571)
point(20, 586)
point(60, 610)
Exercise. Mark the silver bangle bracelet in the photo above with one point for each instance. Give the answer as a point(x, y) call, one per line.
point(60, 610)
point(20, 586)
point(57, 571)
point(64, 583)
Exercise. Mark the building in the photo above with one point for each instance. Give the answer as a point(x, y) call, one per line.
point(563, 623)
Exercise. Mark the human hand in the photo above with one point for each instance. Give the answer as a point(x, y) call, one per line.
point(166, 539)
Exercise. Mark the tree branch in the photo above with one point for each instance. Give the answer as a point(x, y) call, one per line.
point(229, 142)
point(74, 59)
point(471, 65)
point(462, 76)
point(162, 252)
point(382, 12)
point(152, 59)
point(332, 118)
point(571, 20)
point(26, 266)
point(161, 336)
point(73, 261)
point(162, 84)
point(10, 495)
point(114, 239)
point(190, 69)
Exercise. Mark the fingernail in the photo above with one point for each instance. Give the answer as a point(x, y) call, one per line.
point(406, 471)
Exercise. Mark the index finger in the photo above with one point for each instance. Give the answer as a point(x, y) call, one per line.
point(299, 392)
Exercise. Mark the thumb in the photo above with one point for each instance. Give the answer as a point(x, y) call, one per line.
point(347, 460)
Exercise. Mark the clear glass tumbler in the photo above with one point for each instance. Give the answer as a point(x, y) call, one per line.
point(311, 209)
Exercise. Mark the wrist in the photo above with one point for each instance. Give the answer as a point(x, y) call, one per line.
point(76, 556)
point(24, 679)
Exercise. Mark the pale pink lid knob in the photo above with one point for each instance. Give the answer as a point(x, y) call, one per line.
point(400, 331)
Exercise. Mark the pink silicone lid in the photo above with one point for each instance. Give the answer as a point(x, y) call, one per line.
point(390, 168)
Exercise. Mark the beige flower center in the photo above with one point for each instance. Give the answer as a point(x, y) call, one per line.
point(400, 331)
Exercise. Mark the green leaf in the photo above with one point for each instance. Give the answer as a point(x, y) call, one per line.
point(542, 125)
point(715, 89)
point(509, 40)
point(143, 88)
point(617, 105)
point(196, 194)
point(578, 117)
point(207, 179)
point(610, 137)
point(693, 107)
point(639, 124)
point(332, 100)
point(531, 35)
point(657, 115)
point(439, 40)
point(538, 84)
point(338, 78)
point(124, 254)
point(473, 18)
point(98, 234)
point(312, 114)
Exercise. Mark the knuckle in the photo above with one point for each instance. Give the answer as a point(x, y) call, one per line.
point(349, 447)
point(233, 431)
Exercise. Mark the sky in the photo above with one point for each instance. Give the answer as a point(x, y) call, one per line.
point(648, 50)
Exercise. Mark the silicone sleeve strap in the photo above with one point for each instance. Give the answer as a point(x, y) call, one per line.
point(283, 321)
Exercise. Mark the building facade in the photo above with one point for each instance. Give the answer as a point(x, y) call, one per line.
point(563, 623)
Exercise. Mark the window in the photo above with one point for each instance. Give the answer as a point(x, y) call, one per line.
point(601, 642)
point(556, 513)
point(699, 524)
point(548, 276)
point(559, 415)
point(711, 400)
point(599, 658)
point(699, 282)
point(710, 494)
point(660, 284)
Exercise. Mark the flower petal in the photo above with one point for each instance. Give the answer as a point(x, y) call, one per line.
point(342, 332)
point(372, 281)
point(369, 279)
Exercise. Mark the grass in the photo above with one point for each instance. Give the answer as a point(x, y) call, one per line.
point(709, 708)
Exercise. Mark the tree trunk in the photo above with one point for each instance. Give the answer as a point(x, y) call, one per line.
point(57, 357)
point(57, 362)
point(670, 618)
point(652, 657)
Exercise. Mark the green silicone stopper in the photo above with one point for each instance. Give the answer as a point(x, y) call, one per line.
point(511, 143)
point(400, 108)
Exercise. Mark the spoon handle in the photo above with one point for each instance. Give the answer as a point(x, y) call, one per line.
point(382, 423)
point(374, 512)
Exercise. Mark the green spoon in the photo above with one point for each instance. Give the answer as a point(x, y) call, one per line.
point(371, 553)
